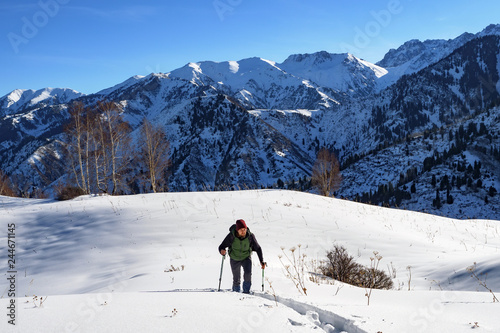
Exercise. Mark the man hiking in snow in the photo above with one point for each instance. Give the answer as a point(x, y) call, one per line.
point(241, 242)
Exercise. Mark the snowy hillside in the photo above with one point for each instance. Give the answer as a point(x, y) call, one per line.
point(408, 160)
point(150, 263)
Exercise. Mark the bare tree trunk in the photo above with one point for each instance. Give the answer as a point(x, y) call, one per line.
point(100, 156)
point(154, 153)
point(76, 132)
point(98, 146)
point(326, 175)
point(115, 141)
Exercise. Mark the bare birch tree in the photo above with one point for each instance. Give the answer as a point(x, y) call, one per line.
point(78, 144)
point(98, 147)
point(326, 177)
point(114, 140)
point(154, 154)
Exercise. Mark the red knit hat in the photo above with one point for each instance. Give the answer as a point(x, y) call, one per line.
point(240, 224)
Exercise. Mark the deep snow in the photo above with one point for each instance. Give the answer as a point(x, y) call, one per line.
point(150, 263)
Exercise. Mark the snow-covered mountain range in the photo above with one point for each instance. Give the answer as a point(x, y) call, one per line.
point(255, 123)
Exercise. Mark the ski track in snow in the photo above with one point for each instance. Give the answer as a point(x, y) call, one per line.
point(328, 321)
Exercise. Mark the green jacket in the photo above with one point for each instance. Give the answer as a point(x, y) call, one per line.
point(241, 248)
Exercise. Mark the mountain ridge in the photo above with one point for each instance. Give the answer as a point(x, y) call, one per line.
point(20, 99)
point(393, 58)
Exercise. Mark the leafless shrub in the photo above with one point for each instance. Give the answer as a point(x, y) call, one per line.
point(6, 187)
point(341, 266)
point(70, 192)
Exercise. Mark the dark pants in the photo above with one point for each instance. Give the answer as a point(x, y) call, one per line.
point(247, 274)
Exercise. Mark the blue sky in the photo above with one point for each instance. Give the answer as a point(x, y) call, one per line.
point(92, 45)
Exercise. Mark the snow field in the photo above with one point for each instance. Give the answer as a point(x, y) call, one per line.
point(150, 263)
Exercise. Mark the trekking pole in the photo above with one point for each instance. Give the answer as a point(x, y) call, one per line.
point(265, 264)
point(221, 266)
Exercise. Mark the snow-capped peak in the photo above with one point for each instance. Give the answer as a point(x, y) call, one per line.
point(492, 29)
point(414, 55)
point(15, 96)
point(318, 59)
point(231, 73)
point(125, 84)
point(342, 72)
point(22, 98)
